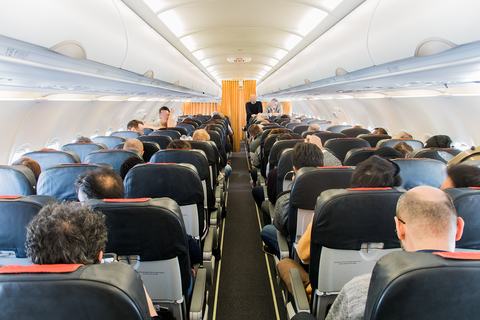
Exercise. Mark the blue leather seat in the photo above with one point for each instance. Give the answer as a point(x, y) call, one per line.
point(174, 134)
point(341, 146)
point(357, 155)
point(327, 135)
point(16, 181)
point(374, 138)
point(354, 132)
point(115, 158)
point(421, 172)
point(441, 154)
point(338, 128)
point(415, 144)
point(126, 134)
point(50, 158)
point(83, 149)
point(162, 141)
point(109, 141)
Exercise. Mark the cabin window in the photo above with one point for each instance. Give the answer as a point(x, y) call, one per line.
point(460, 145)
point(94, 134)
point(109, 131)
point(21, 151)
point(54, 144)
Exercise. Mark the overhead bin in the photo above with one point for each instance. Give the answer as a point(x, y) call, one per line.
point(109, 32)
point(379, 32)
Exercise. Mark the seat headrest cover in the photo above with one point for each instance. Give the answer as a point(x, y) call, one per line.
point(126, 200)
point(40, 268)
point(459, 255)
point(10, 197)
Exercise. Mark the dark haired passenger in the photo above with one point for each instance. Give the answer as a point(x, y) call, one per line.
point(100, 183)
point(388, 153)
point(83, 139)
point(69, 233)
point(380, 131)
point(166, 120)
point(375, 172)
point(135, 125)
point(179, 144)
point(439, 141)
point(30, 164)
point(404, 149)
point(461, 176)
point(128, 164)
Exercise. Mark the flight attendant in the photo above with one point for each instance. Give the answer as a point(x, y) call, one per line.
point(253, 108)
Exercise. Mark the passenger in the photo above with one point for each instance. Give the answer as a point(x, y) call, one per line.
point(83, 139)
point(461, 176)
point(198, 115)
point(179, 144)
point(295, 121)
point(69, 233)
point(134, 144)
point(166, 120)
point(375, 172)
point(418, 230)
point(357, 126)
point(274, 107)
point(201, 135)
point(255, 131)
point(388, 153)
point(284, 116)
point(255, 156)
point(402, 134)
point(135, 125)
point(380, 131)
point(128, 164)
point(29, 163)
point(314, 128)
point(438, 141)
point(403, 148)
point(211, 127)
point(218, 116)
point(100, 183)
point(329, 159)
point(304, 154)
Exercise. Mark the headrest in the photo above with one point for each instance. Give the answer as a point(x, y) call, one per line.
point(367, 214)
point(109, 141)
point(441, 154)
point(140, 228)
point(195, 157)
point(83, 149)
point(59, 181)
point(17, 180)
point(104, 291)
point(467, 202)
point(427, 279)
point(421, 172)
point(50, 158)
point(114, 157)
point(279, 146)
point(357, 155)
point(173, 134)
point(126, 134)
point(415, 144)
point(209, 148)
point(180, 182)
point(40, 268)
point(309, 183)
point(15, 214)
point(338, 128)
point(163, 141)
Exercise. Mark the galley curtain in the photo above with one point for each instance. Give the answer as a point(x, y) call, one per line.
point(193, 108)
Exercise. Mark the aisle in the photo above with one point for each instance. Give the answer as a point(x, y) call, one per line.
point(244, 290)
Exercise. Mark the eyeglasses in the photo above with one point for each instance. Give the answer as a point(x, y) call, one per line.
point(400, 220)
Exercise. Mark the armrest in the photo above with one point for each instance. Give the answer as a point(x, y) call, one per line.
point(299, 293)
point(208, 245)
point(271, 209)
point(198, 295)
point(283, 246)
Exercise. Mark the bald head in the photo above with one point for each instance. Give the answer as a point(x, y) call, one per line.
point(427, 219)
point(133, 144)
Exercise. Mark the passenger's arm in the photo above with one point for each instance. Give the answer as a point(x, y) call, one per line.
point(171, 119)
point(303, 245)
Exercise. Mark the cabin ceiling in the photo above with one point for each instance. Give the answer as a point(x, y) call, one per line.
point(247, 39)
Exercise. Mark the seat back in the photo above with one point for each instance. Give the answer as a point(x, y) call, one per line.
point(300, 129)
point(354, 132)
point(279, 146)
point(17, 180)
point(213, 157)
point(109, 141)
point(269, 142)
point(59, 181)
point(162, 141)
point(198, 159)
point(441, 154)
point(174, 134)
point(155, 181)
point(338, 255)
point(418, 274)
point(357, 155)
point(338, 128)
point(421, 172)
point(151, 234)
point(374, 138)
point(83, 149)
point(284, 171)
point(325, 136)
point(309, 183)
point(50, 158)
point(340, 146)
point(16, 212)
point(467, 201)
point(126, 134)
point(182, 131)
point(186, 126)
point(114, 157)
point(111, 291)
point(292, 125)
point(415, 144)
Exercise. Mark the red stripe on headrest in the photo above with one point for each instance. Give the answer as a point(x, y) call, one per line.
point(71, 164)
point(342, 167)
point(41, 268)
point(371, 148)
point(476, 188)
point(126, 200)
point(161, 163)
point(367, 189)
point(459, 255)
point(10, 197)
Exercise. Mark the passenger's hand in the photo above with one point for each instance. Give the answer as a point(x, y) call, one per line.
point(315, 140)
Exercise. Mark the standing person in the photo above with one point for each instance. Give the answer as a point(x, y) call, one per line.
point(253, 108)
point(166, 119)
point(274, 107)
